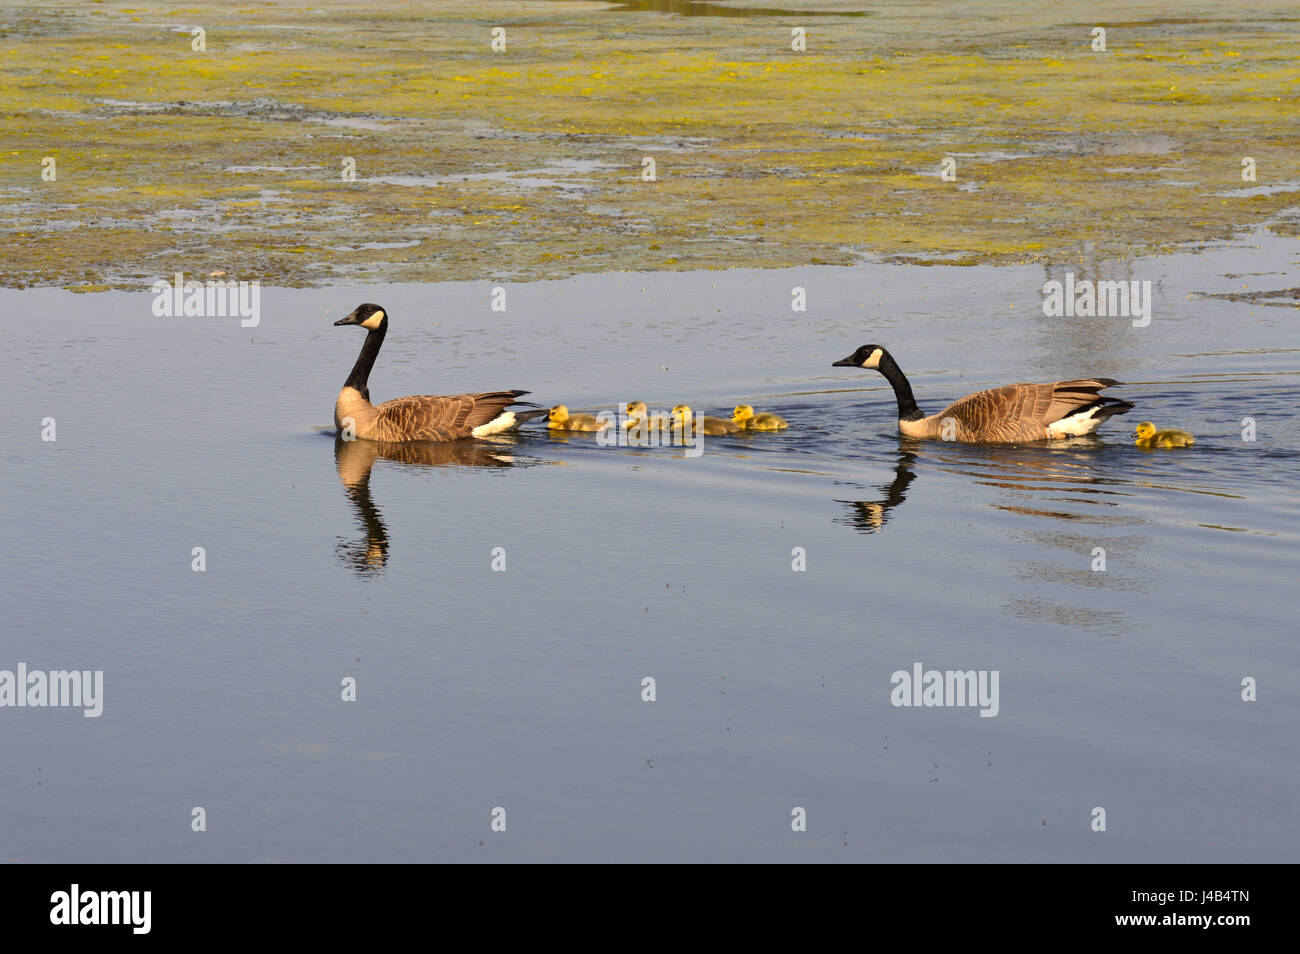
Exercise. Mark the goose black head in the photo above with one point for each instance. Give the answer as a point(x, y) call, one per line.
point(370, 317)
point(868, 356)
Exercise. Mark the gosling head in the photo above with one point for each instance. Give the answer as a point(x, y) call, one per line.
point(558, 414)
point(1145, 430)
point(635, 413)
point(683, 413)
point(370, 317)
point(742, 413)
point(868, 356)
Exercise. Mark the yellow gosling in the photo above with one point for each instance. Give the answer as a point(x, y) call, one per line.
point(637, 412)
point(746, 419)
point(684, 417)
point(1148, 436)
point(559, 419)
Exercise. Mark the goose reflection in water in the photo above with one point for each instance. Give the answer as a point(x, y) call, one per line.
point(1070, 472)
point(1072, 494)
point(1075, 473)
point(869, 516)
point(354, 459)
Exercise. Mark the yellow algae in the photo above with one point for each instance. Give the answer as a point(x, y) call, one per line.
point(530, 162)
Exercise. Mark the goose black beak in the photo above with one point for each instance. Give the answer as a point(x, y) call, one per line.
point(349, 320)
point(844, 363)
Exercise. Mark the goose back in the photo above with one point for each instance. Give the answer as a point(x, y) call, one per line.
point(1017, 412)
point(427, 417)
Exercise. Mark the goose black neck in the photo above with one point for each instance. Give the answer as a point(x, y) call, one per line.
point(366, 360)
point(907, 409)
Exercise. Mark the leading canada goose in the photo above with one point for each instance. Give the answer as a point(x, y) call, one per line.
point(1148, 436)
point(1017, 412)
point(420, 417)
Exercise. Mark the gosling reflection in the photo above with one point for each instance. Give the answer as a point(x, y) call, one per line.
point(870, 516)
point(354, 459)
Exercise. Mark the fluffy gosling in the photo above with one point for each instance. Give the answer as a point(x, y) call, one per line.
point(1148, 436)
point(637, 413)
point(684, 417)
point(745, 418)
point(559, 419)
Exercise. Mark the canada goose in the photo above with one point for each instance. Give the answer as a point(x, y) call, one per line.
point(559, 419)
point(637, 412)
point(420, 417)
point(1017, 412)
point(745, 417)
point(683, 415)
point(1148, 436)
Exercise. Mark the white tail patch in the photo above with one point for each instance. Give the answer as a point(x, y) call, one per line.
point(502, 422)
point(1076, 425)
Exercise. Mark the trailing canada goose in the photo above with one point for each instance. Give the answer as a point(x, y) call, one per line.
point(637, 412)
point(1017, 412)
point(559, 419)
point(747, 420)
point(683, 415)
point(420, 417)
point(1148, 436)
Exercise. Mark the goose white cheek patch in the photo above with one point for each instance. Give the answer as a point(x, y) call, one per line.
point(371, 323)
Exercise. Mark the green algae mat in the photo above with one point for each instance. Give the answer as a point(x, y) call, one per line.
point(302, 144)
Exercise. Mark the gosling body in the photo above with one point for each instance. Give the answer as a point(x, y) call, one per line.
point(745, 418)
point(638, 415)
point(559, 419)
point(684, 417)
point(1147, 435)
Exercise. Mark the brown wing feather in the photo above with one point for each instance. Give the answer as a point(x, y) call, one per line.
point(1069, 396)
point(429, 417)
point(1008, 413)
point(1020, 412)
